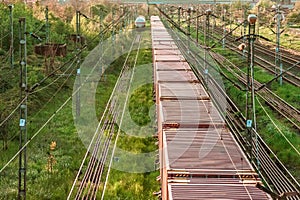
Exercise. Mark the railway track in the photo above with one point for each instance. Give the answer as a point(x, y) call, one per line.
point(274, 101)
point(262, 59)
point(269, 166)
point(286, 58)
point(198, 152)
point(100, 153)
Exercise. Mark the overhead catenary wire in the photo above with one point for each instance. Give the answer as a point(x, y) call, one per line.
point(34, 135)
point(52, 82)
point(98, 127)
point(56, 92)
point(4, 36)
point(283, 183)
point(55, 113)
point(121, 122)
point(52, 116)
point(36, 85)
point(279, 130)
point(31, 90)
point(45, 104)
point(11, 114)
point(46, 123)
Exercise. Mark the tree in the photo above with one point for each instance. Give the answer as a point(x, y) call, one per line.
point(294, 16)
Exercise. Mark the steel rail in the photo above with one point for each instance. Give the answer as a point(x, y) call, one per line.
point(295, 184)
point(277, 103)
point(99, 124)
point(130, 78)
point(264, 63)
point(281, 106)
point(290, 77)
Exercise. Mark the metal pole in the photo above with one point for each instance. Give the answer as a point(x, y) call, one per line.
point(205, 48)
point(189, 28)
point(78, 37)
point(129, 16)
point(197, 26)
point(11, 48)
point(148, 9)
point(250, 95)
point(101, 44)
point(78, 45)
point(47, 24)
point(278, 53)
point(258, 9)
point(206, 44)
point(224, 28)
point(230, 18)
point(214, 19)
point(23, 109)
point(179, 8)
point(253, 98)
point(245, 27)
point(113, 31)
point(123, 20)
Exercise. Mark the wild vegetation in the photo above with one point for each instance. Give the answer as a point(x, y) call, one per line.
point(55, 153)
point(272, 132)
point(271, 126)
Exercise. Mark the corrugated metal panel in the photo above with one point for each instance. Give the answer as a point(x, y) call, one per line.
point(215, 191)
point(169, 58)
point(169, 66)
point(189, 112)
point(183, 90)
point(167, 52)
point(199, 157)
point(164, 45)
point(176, 76)
point(212, 149)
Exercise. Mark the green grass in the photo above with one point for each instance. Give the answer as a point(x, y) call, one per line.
point(288, 39)
point(266, 129)
point(43, 183)
point(137, 130)
point(132, 186)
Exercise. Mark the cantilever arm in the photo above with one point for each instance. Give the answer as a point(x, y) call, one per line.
point(227, 35)
point(34, 36)
point(84, 15)
point(198, 16)
point(171, 21)
point(262, 37)
point(214, 16)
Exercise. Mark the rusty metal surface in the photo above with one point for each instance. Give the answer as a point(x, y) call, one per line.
point(192, 112)
point(163, 45)
point(176, 76)
point(211, 149)
point(167, 52)
point(199, 157)
point(221, 191)
point(181, 90)
point(170, 66)
point(169, 58)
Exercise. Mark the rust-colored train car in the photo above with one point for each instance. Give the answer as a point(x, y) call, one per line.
point(199, 158)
